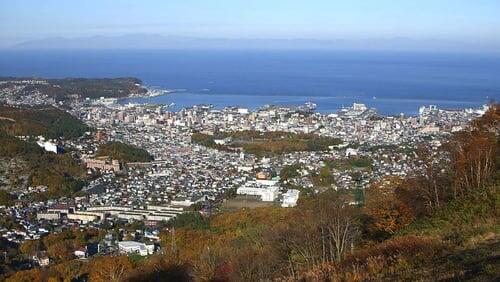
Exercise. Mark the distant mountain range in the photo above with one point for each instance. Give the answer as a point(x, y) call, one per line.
point(153, 41)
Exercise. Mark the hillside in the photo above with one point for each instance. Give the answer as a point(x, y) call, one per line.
point(438, 224)
point(93, 88)
point(260, 244)
point(459, 242)
point(24, 163)
point(104, 87)
point(124, 152)
point(48, 122)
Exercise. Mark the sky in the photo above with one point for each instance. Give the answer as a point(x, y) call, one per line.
point(453, 20)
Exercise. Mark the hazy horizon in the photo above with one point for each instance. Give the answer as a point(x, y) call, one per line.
point(380, 25)
point(157, 41)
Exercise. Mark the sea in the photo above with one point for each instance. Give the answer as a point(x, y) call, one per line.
point(391, 82)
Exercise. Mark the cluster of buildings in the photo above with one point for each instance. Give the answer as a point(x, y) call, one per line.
point(103, 163)
point(24, 92)
point(184, 169)
point(358, 123)
point(187, 176)
point(151, 214)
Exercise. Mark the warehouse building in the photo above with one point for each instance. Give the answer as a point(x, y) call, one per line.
point(132, 247)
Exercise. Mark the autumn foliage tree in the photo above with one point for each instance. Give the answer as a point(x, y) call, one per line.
point(31, 247)
point(61, 251)
point(467, 162)
point(474, 153)
point(28, 276)
point(112, 269)
point(337, 224)
point(386, 212)
point(159, 268)
point(327, 232)
point(428, 189)
point(474, 156)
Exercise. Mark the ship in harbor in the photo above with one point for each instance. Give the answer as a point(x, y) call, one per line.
point(307, 107)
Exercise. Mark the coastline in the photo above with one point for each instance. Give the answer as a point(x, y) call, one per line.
point(151, 91)
point(325, 105)
point(401, 83)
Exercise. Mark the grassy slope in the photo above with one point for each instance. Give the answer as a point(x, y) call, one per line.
point(459, 242)
point(469, 230)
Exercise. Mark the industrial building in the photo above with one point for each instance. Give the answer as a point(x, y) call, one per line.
point(49, 146)
point(290, 198)
point(268, 190)
point(132, 247)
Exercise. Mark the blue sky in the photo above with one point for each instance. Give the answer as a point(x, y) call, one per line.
point(456, 20)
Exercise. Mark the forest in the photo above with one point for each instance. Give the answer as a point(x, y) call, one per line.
point(62, 174)
point(266, 143)
point(103, 87)
point(124, 152)
point(49, 122)
point(62, 89)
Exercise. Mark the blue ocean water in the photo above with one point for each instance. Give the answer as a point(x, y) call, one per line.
point(391, 82)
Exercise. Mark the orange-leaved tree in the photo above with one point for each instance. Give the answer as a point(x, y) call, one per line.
point(387, 213)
